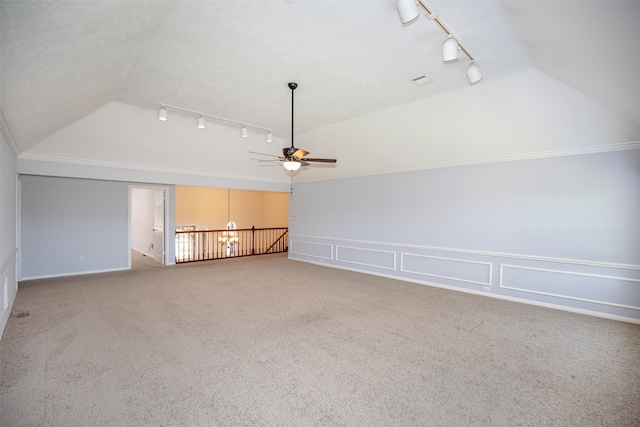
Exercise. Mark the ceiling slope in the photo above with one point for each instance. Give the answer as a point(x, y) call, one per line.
point(75, 74)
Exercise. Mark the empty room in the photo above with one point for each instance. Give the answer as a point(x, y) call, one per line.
point(319, 213)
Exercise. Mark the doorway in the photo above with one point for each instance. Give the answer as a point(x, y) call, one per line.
point(147, 222)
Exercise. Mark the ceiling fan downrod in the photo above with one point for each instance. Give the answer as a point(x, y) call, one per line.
point(293, 87)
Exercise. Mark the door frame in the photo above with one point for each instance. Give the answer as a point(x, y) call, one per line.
point(169, 220)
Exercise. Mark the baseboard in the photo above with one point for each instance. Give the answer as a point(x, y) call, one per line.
point(481, 293)
point(78, 273)
point(8, 289)
point(5, 319)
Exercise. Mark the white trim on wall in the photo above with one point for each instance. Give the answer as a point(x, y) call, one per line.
point(559, 295)
point(292, 246)
point(75, 273)
point(392, 267)
point(488, 264)
point(476, 252)
point(632, 145)
point(8, 135)
point(623, 146)
point(137, 167)
point(579, 268)
point(486, 294)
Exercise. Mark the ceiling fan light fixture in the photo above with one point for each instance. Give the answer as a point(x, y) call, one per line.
point(162, 114)
point(291, 165)
point(473, 73)
point(200, 122)
point(407, 11)
point(244, 133)
point(269, 137)
point(450, 50)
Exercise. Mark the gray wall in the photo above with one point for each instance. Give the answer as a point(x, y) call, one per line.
point(557, 231)
point(8, 220)
point(64, 219)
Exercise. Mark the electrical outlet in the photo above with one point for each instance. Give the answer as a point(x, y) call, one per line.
point(486, 288)
point(81, 258)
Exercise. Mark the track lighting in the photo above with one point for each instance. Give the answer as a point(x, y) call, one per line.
point(473, 73)
point(162, 114)
point(408, 12)
point(450, 50)
point(291, 165)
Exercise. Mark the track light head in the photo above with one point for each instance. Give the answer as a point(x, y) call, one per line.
point(473, 73)
point(450, 50)
point(407, 11)
point(244, 133)
point(269, 137)
point(200, 122)
point(162, 114)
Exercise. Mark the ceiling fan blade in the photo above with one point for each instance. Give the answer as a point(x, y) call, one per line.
point(263, 154)
point(319, 160)
point(299, 154)
point(303, 163)
point(278, 160)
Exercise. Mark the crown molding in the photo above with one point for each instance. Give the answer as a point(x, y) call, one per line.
point(623, 146)
point(8, 135)
point(138, 167)
point(471, 162)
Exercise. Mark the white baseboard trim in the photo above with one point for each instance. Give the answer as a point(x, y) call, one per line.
point(481, 293)
point(5, 319)
point(9, 296)
point(77, 273)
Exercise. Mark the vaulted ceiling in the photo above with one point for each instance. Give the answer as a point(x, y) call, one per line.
point(81, 81)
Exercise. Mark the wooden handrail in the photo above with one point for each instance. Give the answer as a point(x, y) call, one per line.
point(205, 245)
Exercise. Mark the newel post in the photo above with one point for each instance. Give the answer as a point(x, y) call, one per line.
point(253, 240)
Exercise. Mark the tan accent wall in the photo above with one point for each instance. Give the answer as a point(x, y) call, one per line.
point(214, 207)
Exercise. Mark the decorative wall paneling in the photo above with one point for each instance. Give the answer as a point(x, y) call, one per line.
point(592, 287)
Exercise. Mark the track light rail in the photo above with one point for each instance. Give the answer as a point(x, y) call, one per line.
point(213, 116)
point(444, 29)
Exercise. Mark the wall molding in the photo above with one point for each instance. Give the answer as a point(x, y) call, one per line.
point(633, 145)
point(9, 289)
point(595, 149)
point(485, 294)
point(11, 259)
point(490, 265)
point(292, 249)
point(481, 253)
point(137, 167)
point(608, 289)
point(571, 273)
point(75, 273)
point(365, 264)
point(8, 135)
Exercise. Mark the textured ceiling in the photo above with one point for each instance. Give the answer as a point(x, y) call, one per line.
point(62, 60)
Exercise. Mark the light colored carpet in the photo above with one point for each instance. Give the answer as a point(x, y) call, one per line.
point(265, 341)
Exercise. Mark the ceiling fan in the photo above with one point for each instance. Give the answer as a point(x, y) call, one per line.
point(293, 158)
